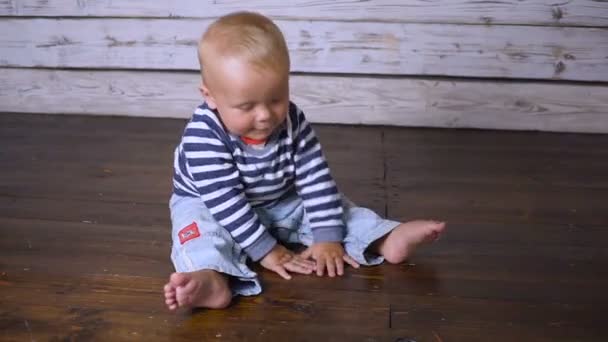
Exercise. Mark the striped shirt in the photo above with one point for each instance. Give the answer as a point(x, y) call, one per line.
point(233, 178)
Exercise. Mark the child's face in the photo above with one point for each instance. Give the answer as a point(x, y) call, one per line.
point(251, 101)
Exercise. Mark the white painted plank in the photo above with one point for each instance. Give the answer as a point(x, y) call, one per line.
point(537, 12)
point(351, 100)
point(332, 47)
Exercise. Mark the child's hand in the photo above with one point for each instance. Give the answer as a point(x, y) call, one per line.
point(330, 255)
point(281, 260)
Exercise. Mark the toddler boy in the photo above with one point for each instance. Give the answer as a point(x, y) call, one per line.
point(250, 174)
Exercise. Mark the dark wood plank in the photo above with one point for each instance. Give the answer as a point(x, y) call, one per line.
point(140, 159)
point(356, 162)
point(524, 257)
point(89, 211)
point(521, 258)
point(481, 176)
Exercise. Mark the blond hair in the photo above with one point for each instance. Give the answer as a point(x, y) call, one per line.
point(246, 35)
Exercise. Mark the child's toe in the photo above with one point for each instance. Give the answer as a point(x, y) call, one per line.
point(178, 279)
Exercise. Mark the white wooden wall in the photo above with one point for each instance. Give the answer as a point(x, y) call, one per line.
point(513, 64)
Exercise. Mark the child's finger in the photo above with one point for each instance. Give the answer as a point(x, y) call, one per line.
point(297, 263)
point(305, 262)
point(306, 254)
point(298, 268)
point(320, 267)
point(350, 261)
point(339, 266)
point(282, 272)
point(331, 267)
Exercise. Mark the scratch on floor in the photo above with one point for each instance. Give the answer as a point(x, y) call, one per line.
point(437, 337)
point(29, 330)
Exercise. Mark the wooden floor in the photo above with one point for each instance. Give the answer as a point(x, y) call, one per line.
point(85, 238)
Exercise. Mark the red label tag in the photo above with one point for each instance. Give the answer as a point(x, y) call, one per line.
point(188, 233)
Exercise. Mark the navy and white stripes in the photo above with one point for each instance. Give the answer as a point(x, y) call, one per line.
point(233, 178)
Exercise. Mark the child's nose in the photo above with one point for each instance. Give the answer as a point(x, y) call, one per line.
point(263, 114)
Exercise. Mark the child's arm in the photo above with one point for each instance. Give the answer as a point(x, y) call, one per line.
point(210, 167)
point(321, 198)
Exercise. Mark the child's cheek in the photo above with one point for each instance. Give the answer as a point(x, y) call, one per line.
point(243, 124)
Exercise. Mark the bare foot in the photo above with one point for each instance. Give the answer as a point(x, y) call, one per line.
point(401, 242)
point(200, 289)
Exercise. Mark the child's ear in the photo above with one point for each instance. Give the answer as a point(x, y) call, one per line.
point(209, 99)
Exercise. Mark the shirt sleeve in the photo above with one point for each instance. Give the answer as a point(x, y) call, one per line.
point(214, 173)
point(314, 183)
